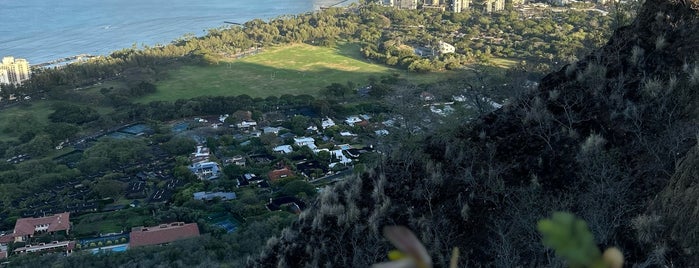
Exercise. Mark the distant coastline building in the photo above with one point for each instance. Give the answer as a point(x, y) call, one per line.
point(14, 71)
point(494, 5)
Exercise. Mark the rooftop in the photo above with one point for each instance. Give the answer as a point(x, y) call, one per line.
point(27, 226)
point(161, 234)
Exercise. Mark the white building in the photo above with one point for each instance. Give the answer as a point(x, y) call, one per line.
point(305, 141)
point(327, 122)
point(283, 149)
point(340, 156)
point(445, 48)
point(14, 71)
point(351, 120)
point(247, 124)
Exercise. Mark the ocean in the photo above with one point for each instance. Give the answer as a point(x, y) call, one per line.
point(41, 30)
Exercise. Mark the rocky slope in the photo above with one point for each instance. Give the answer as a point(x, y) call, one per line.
point(600, 138)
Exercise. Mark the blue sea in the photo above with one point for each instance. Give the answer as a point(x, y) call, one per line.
point(43, 30)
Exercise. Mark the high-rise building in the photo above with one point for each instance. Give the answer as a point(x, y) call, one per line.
point(494, 5)
point(460, 5)
point(14, 71)
point(406, 4)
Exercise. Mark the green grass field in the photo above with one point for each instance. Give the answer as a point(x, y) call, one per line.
point(37, 109)
point(294, 69)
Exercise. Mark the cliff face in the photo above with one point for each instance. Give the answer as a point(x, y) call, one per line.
point(600, 138)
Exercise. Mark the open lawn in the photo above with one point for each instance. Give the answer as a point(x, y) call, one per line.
point(108, 222)
point(293, 69)
point(39, 110)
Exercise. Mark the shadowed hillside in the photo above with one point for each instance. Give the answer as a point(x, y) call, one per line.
point(600, 138)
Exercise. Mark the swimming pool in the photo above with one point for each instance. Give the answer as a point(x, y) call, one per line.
point(115, 248)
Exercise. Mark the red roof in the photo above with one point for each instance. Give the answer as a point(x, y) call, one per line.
point(277, 174)
point(6, 239)
point(161, 234)
point(58, 222)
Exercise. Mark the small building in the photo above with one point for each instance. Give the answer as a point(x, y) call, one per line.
point(55, 246)
point(283, 149)
point(445, 48)
point(246, 125)
point(340, 156)
point(327, 123)
point(347, 134)
point(201, 152)
point(206, 170)
point(276, 203)
point(305, 141)
point(351, 120)
point(279, 174)
point(162, 234)
point(208, 196)
point(381, 132)
point(249, 178)
point(273, 130)
point(237, 160)
point(28, 227)
point(426, 96)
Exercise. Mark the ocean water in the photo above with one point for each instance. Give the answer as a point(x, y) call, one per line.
point(41, 30)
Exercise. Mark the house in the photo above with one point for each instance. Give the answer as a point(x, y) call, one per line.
point(351, 120)
point(287, 135)
point(237, 160)
point(246, 125)
point(55, 246)
point(208, 196)
point(28, 227)
point(445, 48)
point(347, 134)
point(340, 156)
point(3, 253)
point(162, 234)
point(283, 149)
point(273, 130)
point(426, 96)
point(222, 118)
point(206, 170)
point(327, 123)
point(311, 168)
point(381, 132)
point(305, 141)
point(201, 152)
point(279, 174)
point(248, 178)
point(277, 203)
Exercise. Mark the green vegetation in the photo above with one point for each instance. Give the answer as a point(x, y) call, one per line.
point(110, 222)
point(292, 69)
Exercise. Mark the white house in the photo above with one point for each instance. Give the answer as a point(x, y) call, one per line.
point(201, 152)
point(351, 120)
point(445, 48)
point(283, 149)
point(222, 118)
point(206, 170)
point(381, 132)
point(340, 156)
point(347, 134)
point(274, 130)
point(247, 124)
point(327, 123)
point(305, 141)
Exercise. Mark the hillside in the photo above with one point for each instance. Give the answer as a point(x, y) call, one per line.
point(600, 138)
